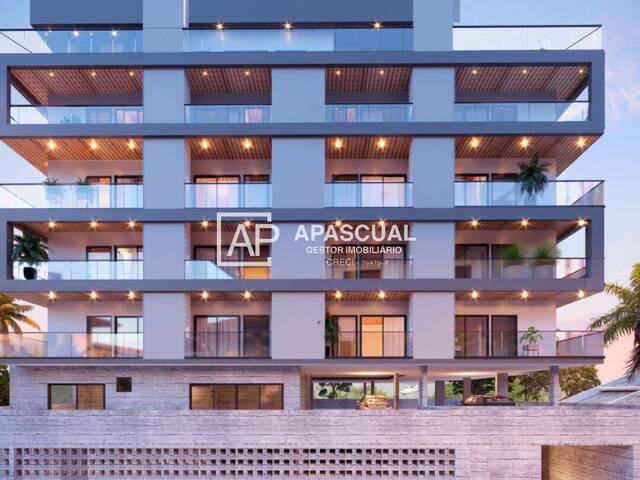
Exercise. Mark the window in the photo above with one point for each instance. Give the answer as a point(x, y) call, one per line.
point(114, 337)
point(124, 384)
point(76, 397)
point(98, 253)
point(231, 336)
point(231, 396)
point(370, 336)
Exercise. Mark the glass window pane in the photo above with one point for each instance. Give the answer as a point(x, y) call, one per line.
point(371, 336)
point(98, 253)
point(201, 397)
point(271, 397)
point(248, 397)
point(347, 345)
point(62, 397)
point(90, 397)
point(224, 397)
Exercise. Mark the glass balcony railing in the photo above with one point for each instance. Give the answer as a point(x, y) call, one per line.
point(371, 344)
point(84, 270)
point(208, 270)
point(299, 39)
point(227, 195)
point(556, 37)
point(577, 111)
point(70, 41)
point(72, 115)
point(227, 113)
point(70, 196)
point(354, 113)
point(473, 344)
point(70, 345)
point(368, 194)
point(227, 344)
point(556, 193)
point(350, 268)
point(525, 268)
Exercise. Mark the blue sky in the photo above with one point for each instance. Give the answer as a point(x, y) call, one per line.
point(613, 158)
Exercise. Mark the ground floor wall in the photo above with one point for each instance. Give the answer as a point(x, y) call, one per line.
point(463, 443)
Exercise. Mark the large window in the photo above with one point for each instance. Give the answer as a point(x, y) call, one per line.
point(119, 336)
point(370, 336)
point(231, 336)
point(76, 397)
point(231, 396)
point(483, 336)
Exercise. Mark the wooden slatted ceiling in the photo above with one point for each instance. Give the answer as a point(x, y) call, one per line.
point(37, 151)
point(39, 84)
point(561, 81)
point(74, 227)
point(229, 80)
point(230, 148)
point(369, 79)
point(561, 298)
point(367, 147)
point(562, 228)
point(196, 297)
point(565, 149)
point(368, 297)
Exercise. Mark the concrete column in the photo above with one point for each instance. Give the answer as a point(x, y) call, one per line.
point(165, 250)
point(396, 391)
point(162, 22)
point(433, 251)
point(423, 394)
point(165, 317)
point(298, 95)
point(502, 384)
point(440, 393)
point(432, 164)
point(290, 258)
point(432, 320)
point(433, 24)
point(466, 388)
point(297, 172)
point(297, 326)
point(554, 385)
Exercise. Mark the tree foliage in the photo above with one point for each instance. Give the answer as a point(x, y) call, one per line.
point(12, 314)
point(4, 386)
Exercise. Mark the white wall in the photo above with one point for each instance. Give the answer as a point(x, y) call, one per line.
point(165, 315)
point(230, 167)
point(433, 251)
point(72, 316)
point(297, 325)
point(431, 316)
point(166, 246)
point(384, 166)
point(431, 166)
point(298, 172)
point(290, 258)
point(298, 95)
point(501, 165)
point(68, 171)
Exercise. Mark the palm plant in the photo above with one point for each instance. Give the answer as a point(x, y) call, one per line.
point(624, 318)
point(29, 249)
point(545, 254)
point(12, 315)
point(512, 254)
point(532, 176)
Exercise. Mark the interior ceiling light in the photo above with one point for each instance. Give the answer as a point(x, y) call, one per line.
point(204, 144)
point(114, 33)
point(377, 25)
point(131, 295)
point(524, 294)
point(581, 142)
point(246, 295)
point(475, 223)
point(93, 145)
point(51, 145)
point(204, 223)
point(381, 294)
point(132, 73)
point(525, 71)
point(219, 26)
point(582, 222)
point(338, 72)
point(525, 142)
point(247, 144)
point(288, 25)
point(474, 71)
point(52, 74)
point(581, 293)
point(52, 224)
point(131, 144)
point(204, 295)
point(205, 73)
point(475, 294)
point(132, 224)
point(76, 33)
point(93, 295)
point(93, 73)
point(381, 72)
point(382, 143)
point(52, 295)
point(475, 142)
point(338, 143)
point(524, 222)
point(337, 295)
point(93, 224)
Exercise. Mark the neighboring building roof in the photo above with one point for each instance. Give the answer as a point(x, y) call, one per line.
point(615, 392)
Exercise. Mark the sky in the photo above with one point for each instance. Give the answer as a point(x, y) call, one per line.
point(613, 158)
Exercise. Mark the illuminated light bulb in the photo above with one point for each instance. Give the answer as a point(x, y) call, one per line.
point(51, 145)
point(525, 71)
point(93, 224)
point(205, 73)
point(381, 223)
point(475, 142)
point(93, 74)
point(377, 25)
point(247, 73)
point(132, 73)
point(338, 143)
point(474, 223)
point(93, 145)
point(246, 295)
point(380, 72)
point(205, 295)
point(52, 74)
point(131, 144)
point(338, 223)
point(382, 143)
point(475, 294)
point(582, 222)
point(204, 144)
point(524, 222)
point(219, 26)
point(581, 142)
point(93, 295)
point(525, 142)
point(76, 33)
point(581, 71)
point(381, 294)
point(52, 295)
point(247, 144)
point(132, 224)
point(131, 295)
point(581, 293)
point(524, 294)
point(52, 224)
point(287, 26)
point(474, 71)
point(114, 33)
point(204, 223)
point(337, 295)
point(338, 72)
point(247, 223)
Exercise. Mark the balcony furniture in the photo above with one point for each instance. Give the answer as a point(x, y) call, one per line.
point(531, 350)
point(374, 402)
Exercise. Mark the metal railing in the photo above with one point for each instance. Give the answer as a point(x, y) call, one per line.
point(72, 115)
point(227, 195)
point(227, 344)
point(524, 268)
point(576, 111)
point(368, 194)
point(70, 345)
point(71, 196)
point(70, 41)
point(227, 113)
point(84, 270)
point(208, 270)
point(506, 193)
point(371, 344)
point(555, 343)
point(350, 268)
point(298, 39)
point(353, 113)
point(527, 37)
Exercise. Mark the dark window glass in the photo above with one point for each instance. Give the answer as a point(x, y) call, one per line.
point(124, 384)
point(201, 397)
point(224, 397)
point(241, 397)
point(62, 397)
point(271, 397)
point(76, 397)
point(248, 397)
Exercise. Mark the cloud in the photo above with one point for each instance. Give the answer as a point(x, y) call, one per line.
point(623, 89)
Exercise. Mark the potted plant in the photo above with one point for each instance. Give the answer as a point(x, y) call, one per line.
point(31, 250)
point(52, 191)
point(544, 261)
point(532, 178)
point(531, 336)
point(513, 259)
point(331, 334)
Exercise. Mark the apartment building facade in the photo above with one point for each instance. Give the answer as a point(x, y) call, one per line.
point(171, 131)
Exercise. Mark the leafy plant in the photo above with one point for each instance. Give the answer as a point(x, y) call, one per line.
point(532, 176)
point(512, 253)
point(30, 249)
point(82, 181)
point(331, 330)
point(544, 253)
point(532, 336)
point(12, 314)
point(4, 386)
point(332, 390)
point(50, 181)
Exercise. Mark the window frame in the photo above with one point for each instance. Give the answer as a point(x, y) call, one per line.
point(236, 385)
point(76, 385)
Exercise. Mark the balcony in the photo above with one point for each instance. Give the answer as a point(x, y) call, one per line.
point(528, 37)
point(350, 268)
point(76, 115)
point(577, 111)
point(70, 41)
point(371, 344)
point(522, 269)
point(71, 345)
point(227, 344)
point(356, 113)
point(71, 196)
point(505, 344)
point(85, 270)
point(227, 113)
point(368, 194)
point(507, 194)
point(208, 270)
point(227, 195)
point(298, 39)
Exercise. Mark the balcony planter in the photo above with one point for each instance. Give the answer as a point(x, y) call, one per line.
point(533, 179)
point(513, 260)
point(53, 192)
point(529, 341)
point(84, 193)
point(31, 250)
point(544, 261)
